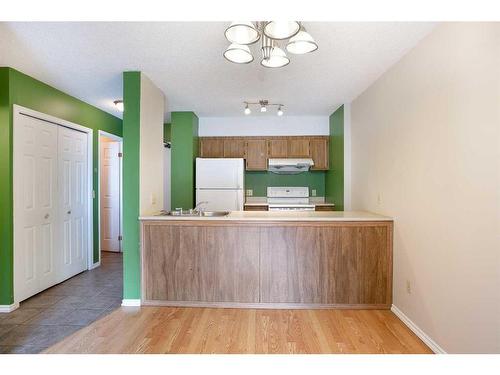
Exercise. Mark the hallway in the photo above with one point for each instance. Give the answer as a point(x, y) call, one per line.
point(57, 312)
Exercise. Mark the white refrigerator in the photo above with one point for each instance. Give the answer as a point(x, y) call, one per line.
point(220, 183)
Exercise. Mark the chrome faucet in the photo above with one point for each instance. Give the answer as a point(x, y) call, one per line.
point(199, 204)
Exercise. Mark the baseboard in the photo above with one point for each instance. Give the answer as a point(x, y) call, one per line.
point(131, 302)
point(95, 265)
point(8, 308)
point(417, 331)
point(259, 305)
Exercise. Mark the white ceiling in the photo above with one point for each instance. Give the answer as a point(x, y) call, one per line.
point(185, 60)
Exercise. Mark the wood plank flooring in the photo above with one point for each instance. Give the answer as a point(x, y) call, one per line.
point(208, 330)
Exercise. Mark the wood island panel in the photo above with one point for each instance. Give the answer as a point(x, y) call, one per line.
point(267, 264)
point(196, 263)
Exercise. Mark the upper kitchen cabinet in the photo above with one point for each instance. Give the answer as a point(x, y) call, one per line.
point(234, 148)
point(256, 158)
point(256, 150)
point(211, 147)
point(277, 148)
point(319, 153)
point(299, 147)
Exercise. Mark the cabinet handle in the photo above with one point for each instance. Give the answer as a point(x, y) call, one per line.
point(46, 216)
point(69, 212)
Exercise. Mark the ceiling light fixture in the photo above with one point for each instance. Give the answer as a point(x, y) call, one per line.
point(238, 53)
point(119, 105)
point(301, 43)
point(243, 33)
point(281, 30)
point(263, 104)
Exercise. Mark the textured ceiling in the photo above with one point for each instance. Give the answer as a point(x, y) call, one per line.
point(185, 60)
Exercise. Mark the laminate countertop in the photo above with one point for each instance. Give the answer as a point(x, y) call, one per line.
point(279, 216)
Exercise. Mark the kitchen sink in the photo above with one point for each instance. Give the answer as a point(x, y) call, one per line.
point(195, 213)
point(214, 213)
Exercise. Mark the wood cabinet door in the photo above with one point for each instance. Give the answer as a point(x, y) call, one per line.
point(256, 159)
point(298, 148)
point(234, 148)
point(211, 148)
point(277, 148)
point(320, 153)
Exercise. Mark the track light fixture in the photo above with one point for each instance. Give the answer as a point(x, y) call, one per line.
point(263, 104)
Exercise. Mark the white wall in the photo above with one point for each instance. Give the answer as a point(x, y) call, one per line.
point(426, 150)
point(258, 124)
point(151, 147)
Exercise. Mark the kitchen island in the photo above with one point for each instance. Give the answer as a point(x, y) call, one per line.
point(308, 259)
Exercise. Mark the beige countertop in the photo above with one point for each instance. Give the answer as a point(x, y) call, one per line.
point(282, 216)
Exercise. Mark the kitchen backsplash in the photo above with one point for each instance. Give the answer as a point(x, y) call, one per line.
point(259, 181)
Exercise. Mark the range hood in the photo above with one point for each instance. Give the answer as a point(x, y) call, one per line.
point(289, 166)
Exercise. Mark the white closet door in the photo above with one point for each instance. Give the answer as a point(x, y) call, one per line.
point(110, 195)
point(72, 202)
point(35, 206)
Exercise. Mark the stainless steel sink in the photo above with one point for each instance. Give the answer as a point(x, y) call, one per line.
point(195, 213)
point(214, 213)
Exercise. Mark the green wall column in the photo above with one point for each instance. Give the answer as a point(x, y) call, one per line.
point(184, 137)
point(334, 181)
point(131, 184)
point(6, 201)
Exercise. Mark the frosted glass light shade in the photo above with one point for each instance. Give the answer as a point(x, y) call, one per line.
point(277, 60)
point(242, 32)
point(119, 105)
point(301, 43)
point(281, 29)
point(239, 54)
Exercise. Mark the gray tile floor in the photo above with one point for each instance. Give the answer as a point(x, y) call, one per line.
point(55, 313)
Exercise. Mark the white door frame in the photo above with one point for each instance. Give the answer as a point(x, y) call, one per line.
point(119, 139)
point(20, 111)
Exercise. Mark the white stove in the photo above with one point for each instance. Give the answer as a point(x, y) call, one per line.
point(289, 199)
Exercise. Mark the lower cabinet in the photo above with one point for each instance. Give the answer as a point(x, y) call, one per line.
point(263, 207)
point(327, 263)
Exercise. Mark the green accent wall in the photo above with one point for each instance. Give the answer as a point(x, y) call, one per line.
point(184, 138)
point(259, 181)
point(6, 202)
point(131, 184)
point(21, 89)
point(334, 179)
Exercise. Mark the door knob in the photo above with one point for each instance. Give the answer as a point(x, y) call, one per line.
point(46, 216)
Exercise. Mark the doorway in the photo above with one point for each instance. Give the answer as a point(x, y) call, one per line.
point(110, 193)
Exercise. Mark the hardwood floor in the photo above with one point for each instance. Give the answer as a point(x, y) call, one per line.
point(207, 330)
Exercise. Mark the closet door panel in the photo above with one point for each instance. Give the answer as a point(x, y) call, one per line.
point(35, 206)
point(73, 201)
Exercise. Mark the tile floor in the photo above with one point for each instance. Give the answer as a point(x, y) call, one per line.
point(55, 313)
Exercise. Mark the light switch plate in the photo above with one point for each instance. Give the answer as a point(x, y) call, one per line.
point(249, 192)
point(313, 192)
